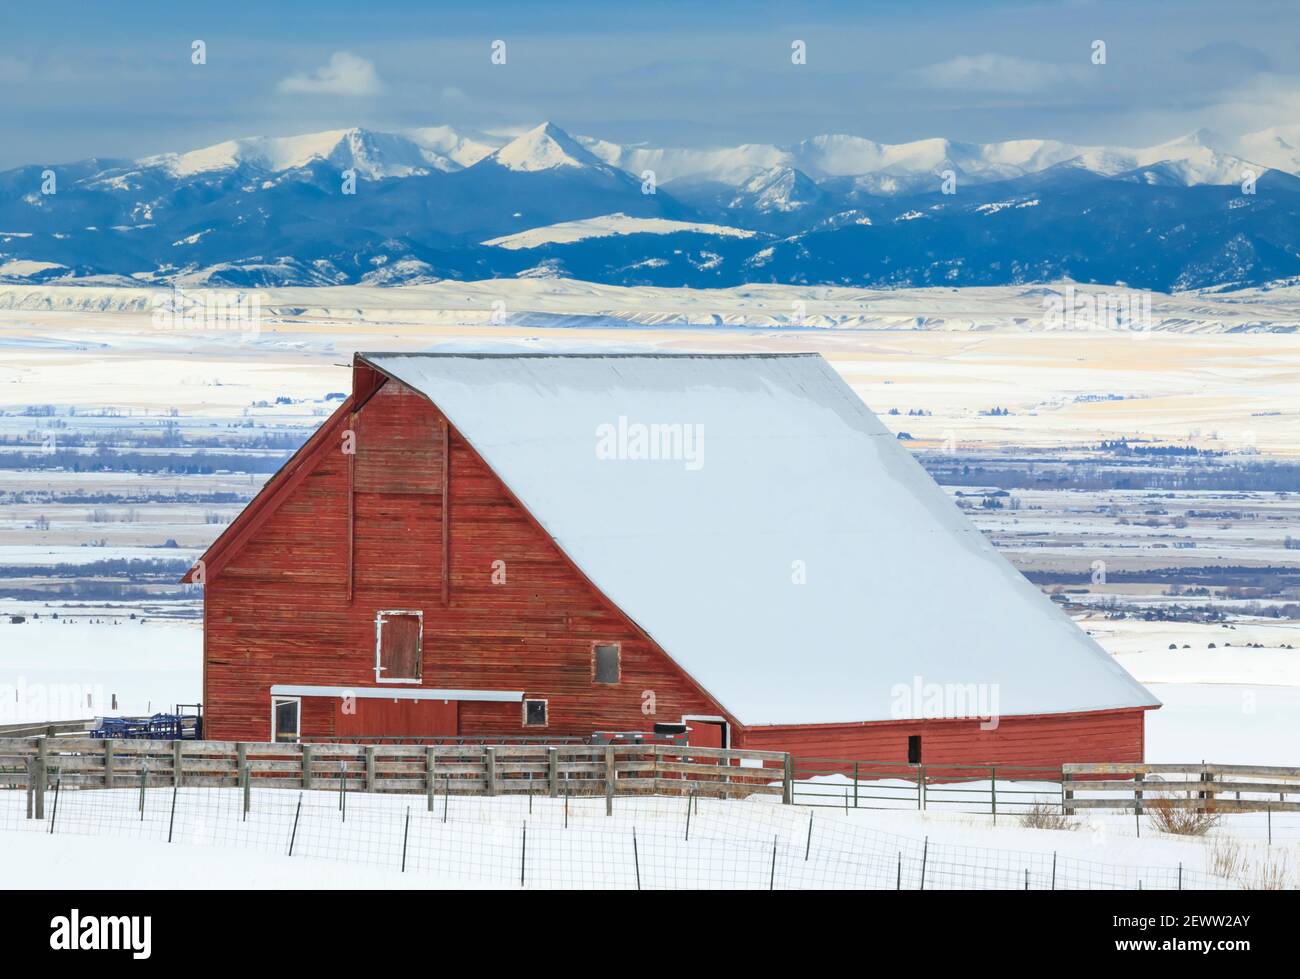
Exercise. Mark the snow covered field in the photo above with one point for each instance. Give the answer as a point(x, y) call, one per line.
point(651, 843)
point(72, 668)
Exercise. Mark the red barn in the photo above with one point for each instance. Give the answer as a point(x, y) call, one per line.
point(505, 545)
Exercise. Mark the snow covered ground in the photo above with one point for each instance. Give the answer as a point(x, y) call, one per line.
point(509, 841)
point(86, 863)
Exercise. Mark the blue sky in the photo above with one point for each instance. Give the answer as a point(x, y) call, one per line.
point(109, 79)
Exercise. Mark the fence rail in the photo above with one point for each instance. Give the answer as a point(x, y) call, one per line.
point(1201, 787)
point(433, 769)
point(1016, 789)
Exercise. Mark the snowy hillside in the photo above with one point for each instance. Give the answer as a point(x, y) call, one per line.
point(551, 301)
point(609, 224)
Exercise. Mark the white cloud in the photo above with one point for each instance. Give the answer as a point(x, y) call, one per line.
point(997, 73)
point(345, 74)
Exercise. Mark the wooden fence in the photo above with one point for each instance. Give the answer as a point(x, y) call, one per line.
point(1204, 787)
point(81, 762)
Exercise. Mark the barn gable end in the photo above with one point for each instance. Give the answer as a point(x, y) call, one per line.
point(294, 603)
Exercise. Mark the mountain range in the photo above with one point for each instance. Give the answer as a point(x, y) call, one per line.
point(358, 206)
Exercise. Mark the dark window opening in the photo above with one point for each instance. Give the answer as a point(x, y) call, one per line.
point(535, 713)
point(914, 749)
point(286, 720)
point(608, 668)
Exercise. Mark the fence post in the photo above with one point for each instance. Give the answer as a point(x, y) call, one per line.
point(855, 784)
point(1137, 792)
point(429, 780)
point(241, 761)
point(171, 820)
point(609, 780)
point(306, 766)
point(490, 769)
point(1208, 794)
point(41, 777)
point(406, 832)
point(176, 762)
point(1067, 794)
point(247, 774)
point(920, 786)
point(370, 768)
point(993, 783)
point(787, 780)
point(31, 782)
point(58, 782)
point(553, 770)
point(144, 778)
point(108, 762)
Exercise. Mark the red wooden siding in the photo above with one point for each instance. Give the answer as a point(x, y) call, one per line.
point(396, 718)
point(1048, 739)
point(279, 610)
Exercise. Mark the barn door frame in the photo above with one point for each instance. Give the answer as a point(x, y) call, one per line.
point(712, 719)
point(276, 701)
point(379, 645)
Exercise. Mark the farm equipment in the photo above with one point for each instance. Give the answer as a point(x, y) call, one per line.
point(176, 726)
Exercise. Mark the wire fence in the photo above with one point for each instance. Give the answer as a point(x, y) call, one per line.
point(570, 843)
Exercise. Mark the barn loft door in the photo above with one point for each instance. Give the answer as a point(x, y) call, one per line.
point(397, 647)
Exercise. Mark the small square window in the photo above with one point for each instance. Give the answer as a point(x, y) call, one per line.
point(607, 667)
point(535, 713)
point(285, 718)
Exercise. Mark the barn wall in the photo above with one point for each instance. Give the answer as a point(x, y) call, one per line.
point(281, 609)
point(1047, 739)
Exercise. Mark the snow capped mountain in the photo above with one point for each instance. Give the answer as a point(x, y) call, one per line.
point(1278, 147)
point(1189, 161)
point(547, 147)
point(1195, 159)
point(372, 155)
point(732, 166)
point(782, 189)
point(438, 202)
point(460, 148)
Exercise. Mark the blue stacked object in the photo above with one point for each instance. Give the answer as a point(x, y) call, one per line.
point(160, 727)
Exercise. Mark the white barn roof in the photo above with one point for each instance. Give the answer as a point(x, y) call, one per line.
point(795, 478)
